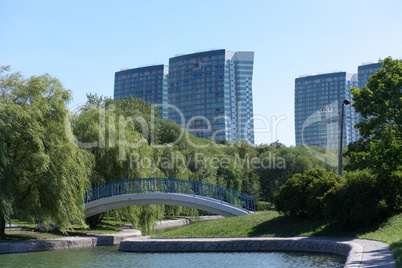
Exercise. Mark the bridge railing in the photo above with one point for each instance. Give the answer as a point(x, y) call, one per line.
point(171, 185)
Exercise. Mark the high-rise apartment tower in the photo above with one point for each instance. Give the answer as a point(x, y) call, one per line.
point(318, 105)
point(209, 93)
point(213, 91)
point(147, 83)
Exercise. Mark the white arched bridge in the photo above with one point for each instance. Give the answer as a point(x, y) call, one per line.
point(187, 193)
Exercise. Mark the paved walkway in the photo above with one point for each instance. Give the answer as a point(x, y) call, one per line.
point(359, 252)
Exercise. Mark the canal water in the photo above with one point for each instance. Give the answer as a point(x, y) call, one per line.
point(110, 256)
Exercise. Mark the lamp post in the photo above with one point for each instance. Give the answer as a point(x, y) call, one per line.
point(345, 102)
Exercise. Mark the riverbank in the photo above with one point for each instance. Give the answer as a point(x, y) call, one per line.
point(272, 224)
point(246, 229)
point(91, 240)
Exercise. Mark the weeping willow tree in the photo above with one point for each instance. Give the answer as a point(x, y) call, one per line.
point(120, 134)
point(115, 132)
point(43, 175)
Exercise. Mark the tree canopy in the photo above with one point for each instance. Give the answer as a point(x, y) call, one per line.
point(380, 106)
point(380, 148)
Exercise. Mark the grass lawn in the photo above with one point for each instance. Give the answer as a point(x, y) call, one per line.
point(13, 235)
point(272, 224)
point(106, 227)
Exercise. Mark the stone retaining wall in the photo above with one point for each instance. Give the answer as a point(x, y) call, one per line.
point(181, 222)
point(89, 241)
point(359, 253)
point(66, 242)
point(206, 218)
point(170, 224)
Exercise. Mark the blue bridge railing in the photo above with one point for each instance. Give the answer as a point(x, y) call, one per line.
point(170, 185)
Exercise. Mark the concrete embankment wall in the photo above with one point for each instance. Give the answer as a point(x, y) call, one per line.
point(359, 252)
point(89, 241)
point(170, 224)
point(66, 242)
point(181, 222)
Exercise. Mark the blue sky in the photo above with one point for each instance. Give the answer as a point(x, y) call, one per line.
point(83, 43)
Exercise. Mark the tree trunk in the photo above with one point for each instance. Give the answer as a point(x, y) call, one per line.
point(2, 225)
point(94, 221)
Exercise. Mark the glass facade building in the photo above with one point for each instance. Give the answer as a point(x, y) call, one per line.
point(147, 83)
point(209, 93)
point(318, 106)
point(213, 92)
point(318, 101)
point(364, 71)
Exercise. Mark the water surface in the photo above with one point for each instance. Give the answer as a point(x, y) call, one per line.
point(110, 256)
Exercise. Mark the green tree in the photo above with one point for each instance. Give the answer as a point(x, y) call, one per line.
point(354, 202)
point(301, 195)
point(281, 163)
point(43, 175)
point(380, 148)
point(116, 132)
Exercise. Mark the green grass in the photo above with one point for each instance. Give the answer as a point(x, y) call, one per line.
point(23, 223)
point(106, 227)
point(272, 224)
point(13, 235)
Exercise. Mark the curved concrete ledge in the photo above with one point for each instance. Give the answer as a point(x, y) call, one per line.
point(160, 225)
point(193, 201)
point(181, 222)
point(359, 252)
point(66, 242)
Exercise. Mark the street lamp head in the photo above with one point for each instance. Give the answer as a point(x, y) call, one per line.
point(346, 102)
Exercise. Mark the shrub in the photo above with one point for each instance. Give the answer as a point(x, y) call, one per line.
point(391, 190)
point(261, 206)
point(356, 202)
point(301, 195)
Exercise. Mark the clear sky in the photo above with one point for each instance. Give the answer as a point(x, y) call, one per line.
point(83, 43)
